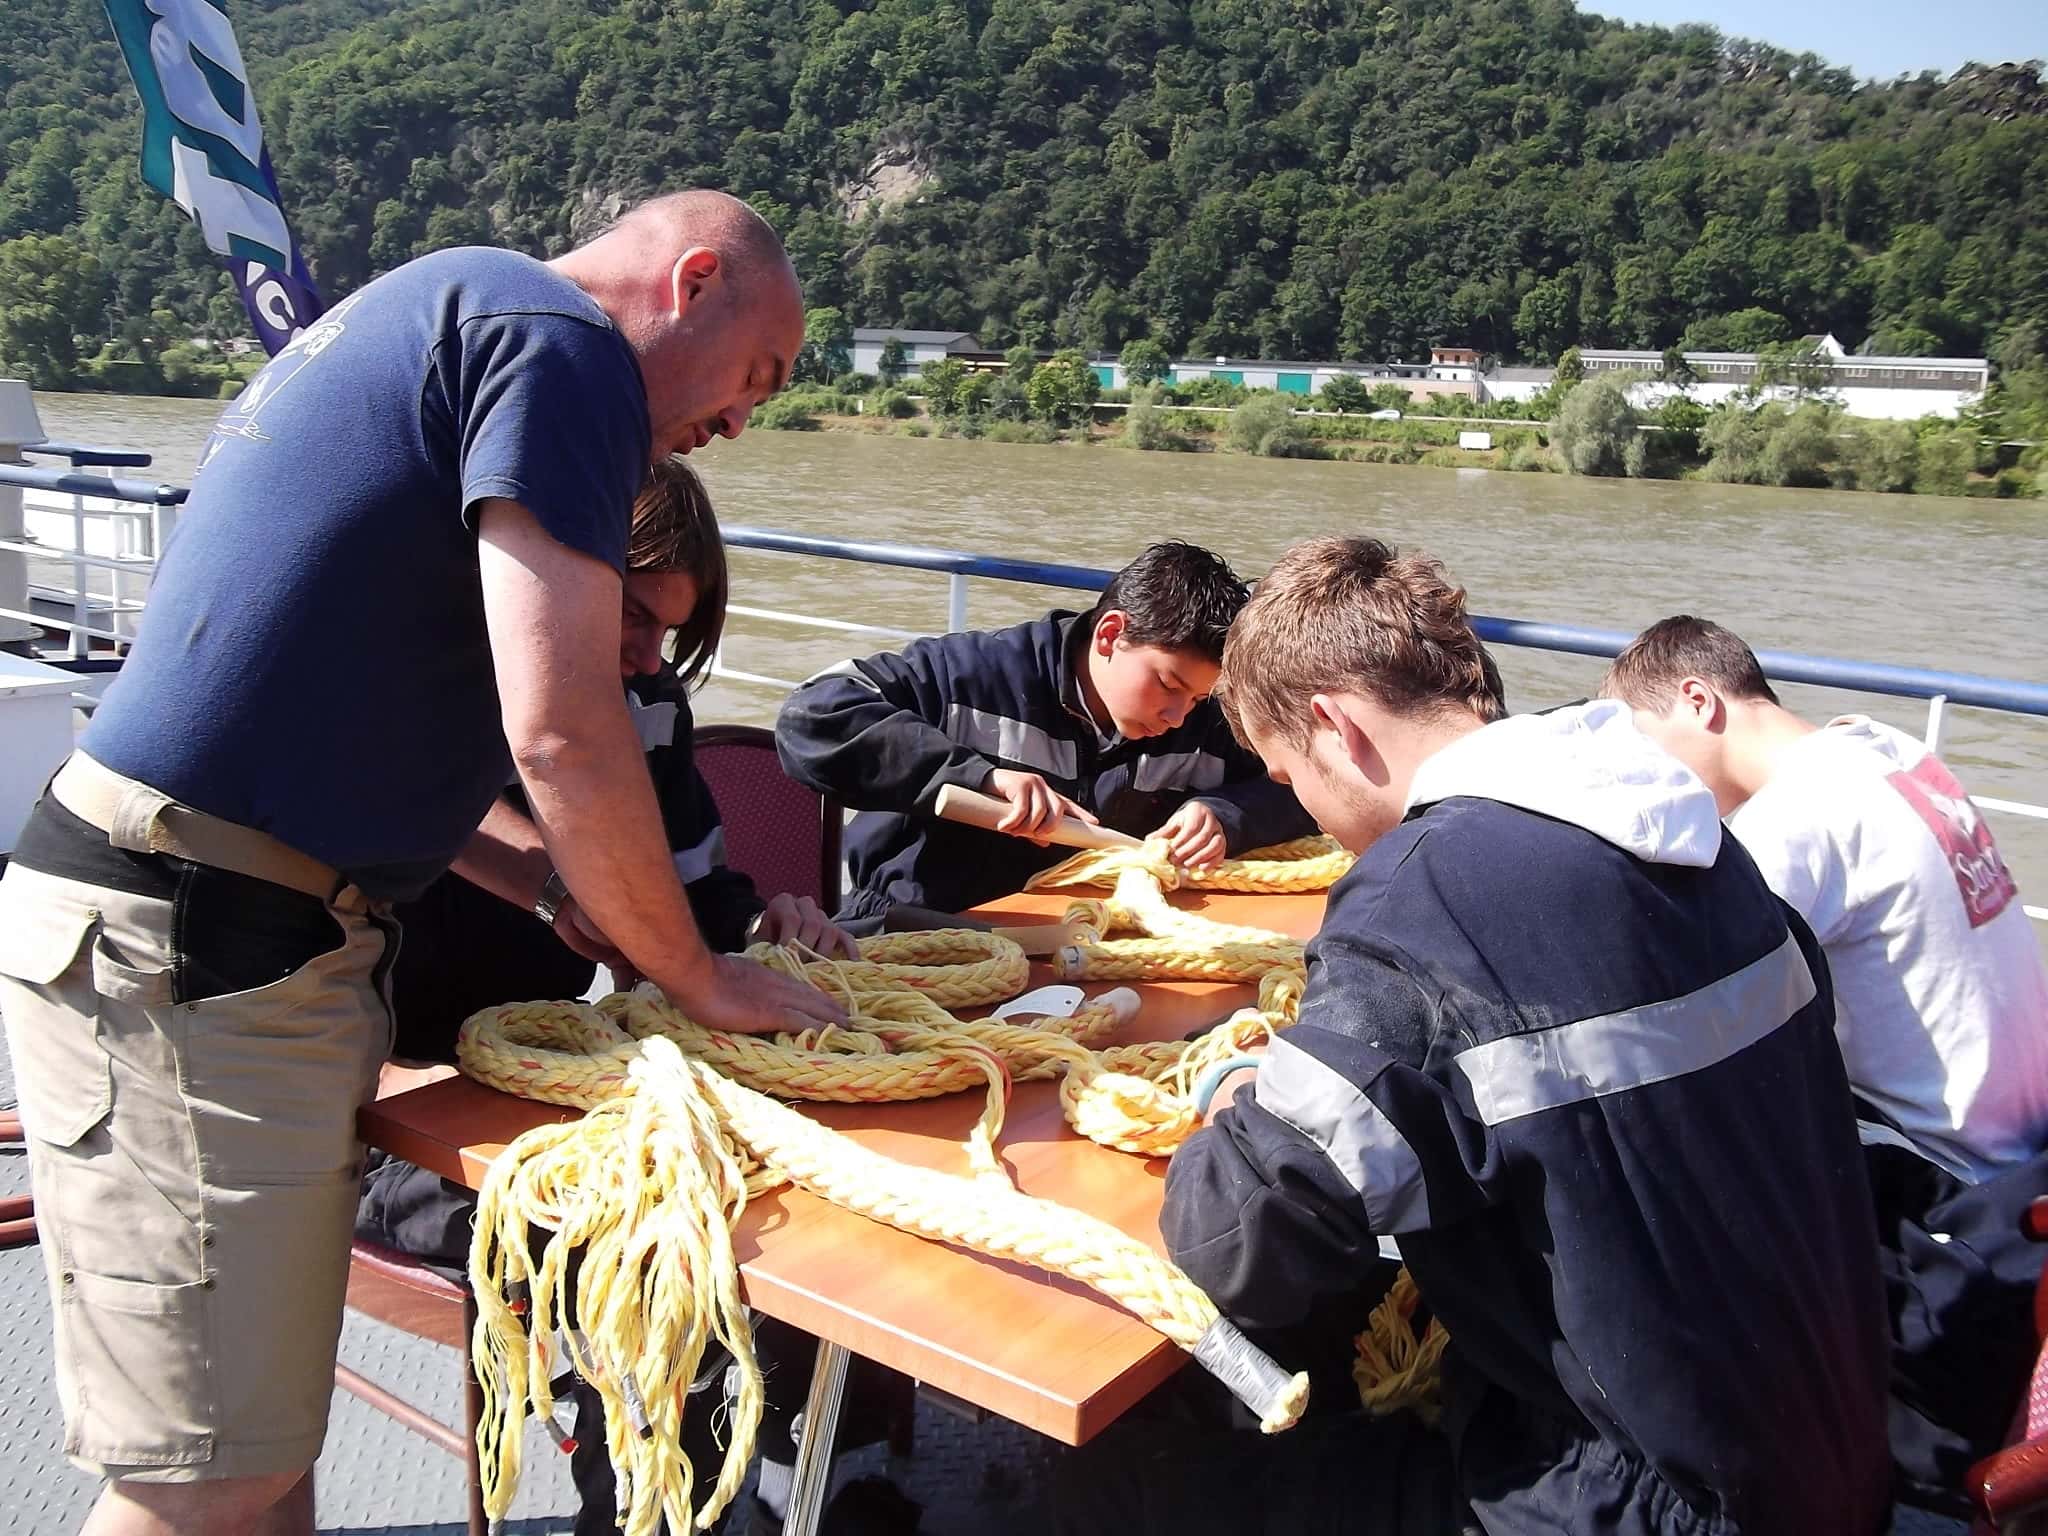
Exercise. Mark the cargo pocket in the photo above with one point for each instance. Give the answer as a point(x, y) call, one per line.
point(61, 1069)
point(135, 1363)
point(276, 1071)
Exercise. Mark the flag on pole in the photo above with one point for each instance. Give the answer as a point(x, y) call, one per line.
point(202, 147)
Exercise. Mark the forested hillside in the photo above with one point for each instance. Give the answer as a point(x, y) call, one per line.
point(1296, 178)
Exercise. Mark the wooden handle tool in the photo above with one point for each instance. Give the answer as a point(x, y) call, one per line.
point(973, 809)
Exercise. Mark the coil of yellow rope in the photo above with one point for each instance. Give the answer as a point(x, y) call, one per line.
point(649, 1184)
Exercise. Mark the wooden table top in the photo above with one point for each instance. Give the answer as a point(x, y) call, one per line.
point(1038, 1349)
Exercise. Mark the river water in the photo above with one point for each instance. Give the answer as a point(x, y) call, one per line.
point(1920, 581)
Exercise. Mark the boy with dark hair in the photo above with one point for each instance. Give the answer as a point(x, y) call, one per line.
point(1941, 1012)
point(1560, 1041)
point(1103, 715)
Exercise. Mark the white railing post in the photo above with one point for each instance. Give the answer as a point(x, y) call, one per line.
point(1937, 717)
point(81, 643)
point(18, 425)
point(956, 602)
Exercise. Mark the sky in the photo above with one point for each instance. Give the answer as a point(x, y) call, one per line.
point(1875, 38)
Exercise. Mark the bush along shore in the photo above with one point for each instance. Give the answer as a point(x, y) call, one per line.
point(1578, 426)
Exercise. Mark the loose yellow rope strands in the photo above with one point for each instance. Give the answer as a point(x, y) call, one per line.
point(1179, 945)
point(650, 1184)
point(577, 1183)
point(1396, 1367)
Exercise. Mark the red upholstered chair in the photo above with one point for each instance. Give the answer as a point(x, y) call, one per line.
point(2010, 1489)
point(782, 835)
point(398, 1290)
point(17, 1212)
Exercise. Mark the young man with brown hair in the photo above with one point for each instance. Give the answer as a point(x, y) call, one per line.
point(1560, 1042)
point(1103, 714)
point(1941, 1011)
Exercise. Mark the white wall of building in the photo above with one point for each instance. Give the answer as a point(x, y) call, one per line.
point(1521, 391)
point(1874, 403)
point(867, 355)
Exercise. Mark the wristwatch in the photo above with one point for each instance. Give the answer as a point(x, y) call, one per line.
point(552, 895)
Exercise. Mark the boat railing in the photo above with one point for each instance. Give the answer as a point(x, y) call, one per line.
point(83, 545)
point(145, 508)
point(1940, 691)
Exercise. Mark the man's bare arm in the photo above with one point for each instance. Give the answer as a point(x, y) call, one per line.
point(553, 616)
point(505, 855)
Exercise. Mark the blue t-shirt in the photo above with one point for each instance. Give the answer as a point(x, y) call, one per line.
point(313, 661)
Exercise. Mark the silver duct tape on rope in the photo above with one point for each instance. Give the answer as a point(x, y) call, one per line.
point(1252, 1375)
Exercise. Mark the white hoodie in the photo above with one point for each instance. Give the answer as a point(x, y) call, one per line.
point(1587, 765)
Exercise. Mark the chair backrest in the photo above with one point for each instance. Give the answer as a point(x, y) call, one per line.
point(780, 834)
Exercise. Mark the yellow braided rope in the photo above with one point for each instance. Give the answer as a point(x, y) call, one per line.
point(1178, 945)
point(649, 1184)
point(1302, 864)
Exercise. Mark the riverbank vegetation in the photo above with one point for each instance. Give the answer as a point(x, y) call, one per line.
point(1578, 426)
point(1279, 178)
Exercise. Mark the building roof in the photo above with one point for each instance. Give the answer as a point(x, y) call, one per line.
point(1749, 359)
point(924, 338)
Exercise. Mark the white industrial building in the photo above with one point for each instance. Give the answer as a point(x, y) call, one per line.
point(1880, 388)
point(1449, 371)
point(919, 347)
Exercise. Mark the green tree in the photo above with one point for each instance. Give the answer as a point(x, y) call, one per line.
point(1062, 388)
point(942, 383)
point(1596, 429)
point(893, 362)
point(1747, 330)
point(1019, 363)
point(827, 351)
point(1878, 455)
point(1946, 459)
point(1146, 425)
point(1571, 368)
point(53, 296)
point(1676, 370)
point(1145, 361)
point(1800, 365)
point(1391, 397)
point(1346, 392)
point(1266, 425)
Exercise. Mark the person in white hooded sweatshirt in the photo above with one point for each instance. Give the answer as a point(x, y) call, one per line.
point(1941, 1009)
point(1560, 1042)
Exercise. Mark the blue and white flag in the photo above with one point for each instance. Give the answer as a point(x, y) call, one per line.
point(202, 147)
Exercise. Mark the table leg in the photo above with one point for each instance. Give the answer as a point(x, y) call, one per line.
point(813, 1476)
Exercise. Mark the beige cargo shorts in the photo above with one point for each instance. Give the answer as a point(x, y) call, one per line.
point(195, 1169)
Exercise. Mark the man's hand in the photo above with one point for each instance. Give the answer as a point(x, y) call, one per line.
point(1194, 836)
point(799, 920)
point(575, 929)
point(743, 998)
point(1034, 804)
point(1232, 1084)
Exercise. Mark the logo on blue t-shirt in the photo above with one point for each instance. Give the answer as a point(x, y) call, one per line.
point(240, 418)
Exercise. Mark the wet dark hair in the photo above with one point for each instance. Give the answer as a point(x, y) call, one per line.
point(1647, 673)
point(1354, 613)
point(674, 529)
point(1177, 596)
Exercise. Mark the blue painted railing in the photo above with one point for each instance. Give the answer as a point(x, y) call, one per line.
point(70, 482)
point(1966, 688)
point(1788, 666)
point(82, 454)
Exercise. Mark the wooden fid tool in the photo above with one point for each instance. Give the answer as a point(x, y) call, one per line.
point(973, 809)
